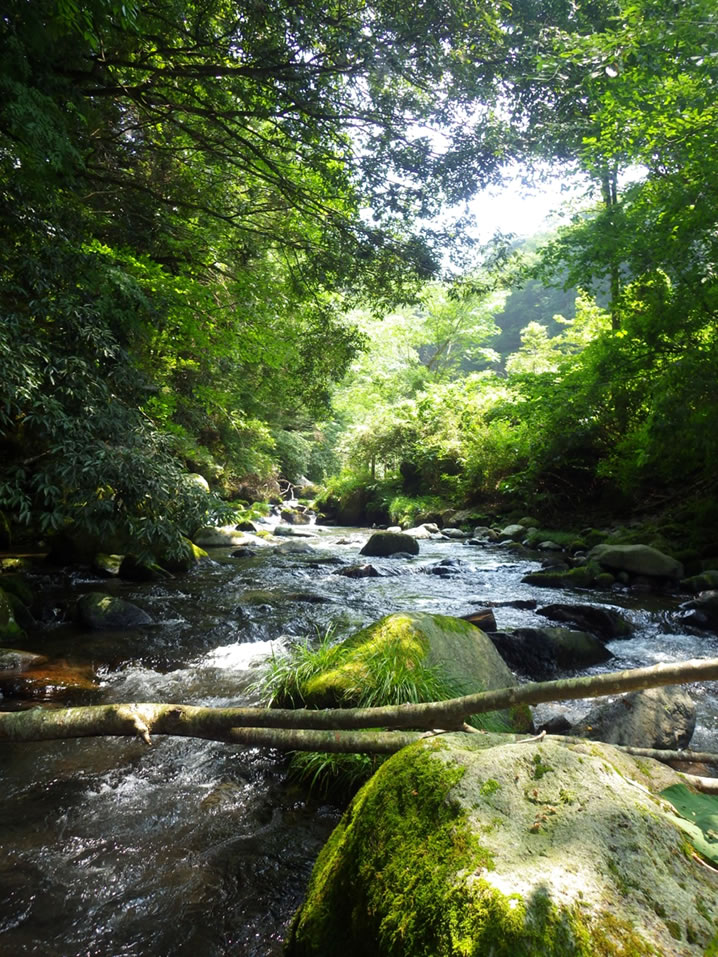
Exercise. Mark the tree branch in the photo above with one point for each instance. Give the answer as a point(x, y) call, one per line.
point(218, 724)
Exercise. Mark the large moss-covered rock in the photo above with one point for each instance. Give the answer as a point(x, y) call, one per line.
point(637, 560)
point(461, 653)
point(583, 576)
point(383, 544)
point(458, 849)
point(99, 612)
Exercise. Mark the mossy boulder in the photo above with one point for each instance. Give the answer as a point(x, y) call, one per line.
point(584, 576)
point(462, 654)
point(384, 544)
point(137, 570)
point(186, 558)
point(637, 560)
point(457, 847)
point(100, 612)
point(706, 581)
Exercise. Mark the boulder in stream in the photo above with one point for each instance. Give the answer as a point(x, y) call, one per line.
point(654, 718)
point(706, 581)
point(539, 653)
point(358, 571)
point(101, 612)
point(380, 656)
point(465, 846)
point(701, 612)
point(606, 623)
point(384, 544)
point(640, 560)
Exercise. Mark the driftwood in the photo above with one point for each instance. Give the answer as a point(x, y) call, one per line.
point(339, 729)
point(145, 719)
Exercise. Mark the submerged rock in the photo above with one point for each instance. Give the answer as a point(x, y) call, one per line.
point(654, 718)
point(455, 847)
point(383, 544)
point(358, 571)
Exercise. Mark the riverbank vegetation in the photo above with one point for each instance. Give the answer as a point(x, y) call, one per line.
point(221, 254)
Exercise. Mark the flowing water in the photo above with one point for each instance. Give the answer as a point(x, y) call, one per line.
point(193, 847)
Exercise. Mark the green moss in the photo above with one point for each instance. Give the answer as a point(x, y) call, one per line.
point(404, 876)
point(539, 767)
point(674, 929)
point(489, 787)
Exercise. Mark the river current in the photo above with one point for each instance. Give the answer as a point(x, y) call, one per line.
point(114, 848)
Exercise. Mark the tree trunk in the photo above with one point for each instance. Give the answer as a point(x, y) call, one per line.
point(217, 723)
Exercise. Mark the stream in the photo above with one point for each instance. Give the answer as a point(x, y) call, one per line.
point(193, 847)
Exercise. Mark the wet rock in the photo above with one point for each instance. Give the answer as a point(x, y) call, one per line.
point(294, 516)
point(603, 622)
point(289, 531)
point(701, 612)
point(183, 559)
point(245, 551)
point(539, 653)
point(382, 544)
point(107, 565)
point(101, 612)
point(219, 536)
point(584, 576)
point(483, 619)
point(134, 570)
point(706, 581)
point(57, 681)
point(549, 546)
point(454, 533)
point(246, 526)
point(637, 560)
point(358, 571)
point(514, 533)
point(655, 718)
point(473, 847)
point(11, 659)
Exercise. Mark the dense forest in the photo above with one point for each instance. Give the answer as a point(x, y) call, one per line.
point(235, 242)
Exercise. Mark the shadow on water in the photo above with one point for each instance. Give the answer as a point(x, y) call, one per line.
point(193, 847)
